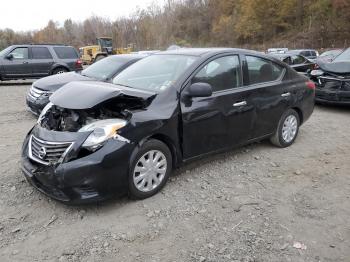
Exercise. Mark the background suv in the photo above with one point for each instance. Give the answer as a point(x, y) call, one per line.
point(34, 61)
point(310, 54)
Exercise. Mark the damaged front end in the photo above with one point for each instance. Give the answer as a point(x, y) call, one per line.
point(76, 154)
point(331, 86)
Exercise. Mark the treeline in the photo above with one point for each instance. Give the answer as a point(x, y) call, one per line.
point(255, 24)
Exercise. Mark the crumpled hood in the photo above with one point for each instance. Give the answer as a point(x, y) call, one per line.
point(54, 82)
point(85, 95)
point(341, 67)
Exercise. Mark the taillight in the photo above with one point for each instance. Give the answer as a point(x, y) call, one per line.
point(78, 63)
point(311, 85)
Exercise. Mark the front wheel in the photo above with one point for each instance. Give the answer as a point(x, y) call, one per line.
point(287, 130)
point(150, 168)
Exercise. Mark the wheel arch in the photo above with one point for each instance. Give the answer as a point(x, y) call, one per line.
point(169, 143)
point(54, 67)
point(300, 113)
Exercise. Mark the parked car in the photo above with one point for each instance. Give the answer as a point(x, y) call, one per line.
point(103, 70)
point(97, 139)
point(35, 61)
point(328, 56)
point(310, 54)
point(277, 50)
point(297, 62)
point(333, 80)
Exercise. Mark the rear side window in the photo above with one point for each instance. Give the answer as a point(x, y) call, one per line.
point(313, 53)
point(297, 59)
point(41, 53)
point(262, 70)
point(222, 73)
point(65, 52)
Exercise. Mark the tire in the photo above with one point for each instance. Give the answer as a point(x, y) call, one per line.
point(143, 184)
point(287, 130)
point(59, 70)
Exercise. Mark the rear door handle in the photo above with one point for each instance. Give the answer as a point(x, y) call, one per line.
point(285, 94)
point(243, 103)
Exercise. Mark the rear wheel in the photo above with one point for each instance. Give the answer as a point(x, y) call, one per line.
point(287, 130)
point(59, 70)
point(150, 168)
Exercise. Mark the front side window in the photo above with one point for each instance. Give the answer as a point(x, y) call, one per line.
point(154, 73)
point(262, 70)
point(20, 53)
point(41, 53)
point(222, 73)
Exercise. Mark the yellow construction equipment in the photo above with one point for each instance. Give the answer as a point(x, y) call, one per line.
point(104, 48)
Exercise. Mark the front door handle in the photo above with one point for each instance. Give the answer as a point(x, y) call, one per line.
point(286, 94)
point(25, 62)
point(243, 103)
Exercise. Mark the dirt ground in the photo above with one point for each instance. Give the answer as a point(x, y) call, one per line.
point(249, 204)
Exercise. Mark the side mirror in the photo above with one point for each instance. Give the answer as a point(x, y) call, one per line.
point(9, 56)
point(200, 90)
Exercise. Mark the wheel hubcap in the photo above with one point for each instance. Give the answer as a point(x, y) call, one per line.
point(289, 128)
point(150, 171)
point(60, 72)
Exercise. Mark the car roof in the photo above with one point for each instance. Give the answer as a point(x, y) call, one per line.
point(206, 51)
point(128, 56)
point(46, 45)
point(280, 55)
point(300, 50)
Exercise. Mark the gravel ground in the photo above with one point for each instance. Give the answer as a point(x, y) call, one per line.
point(257, 203)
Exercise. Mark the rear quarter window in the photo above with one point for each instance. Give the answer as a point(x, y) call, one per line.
point(65, 52)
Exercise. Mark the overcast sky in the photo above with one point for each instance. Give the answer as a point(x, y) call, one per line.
point(23, 15)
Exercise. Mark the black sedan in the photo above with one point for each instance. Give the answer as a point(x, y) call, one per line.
point(103, 70)
point(333, 80)
point(298, 62)
point(97, 139)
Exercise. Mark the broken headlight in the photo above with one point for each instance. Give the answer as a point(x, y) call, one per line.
point(43, 112)
point(317, 72)
point(102, 130)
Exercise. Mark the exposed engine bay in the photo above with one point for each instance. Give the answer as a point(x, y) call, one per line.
point(61, 119)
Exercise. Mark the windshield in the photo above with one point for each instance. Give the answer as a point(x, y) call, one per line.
point(106, 42)
point(154, 73)
point(345, 56)
point(105, 68)
point(331, 53)
point(4, 52)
